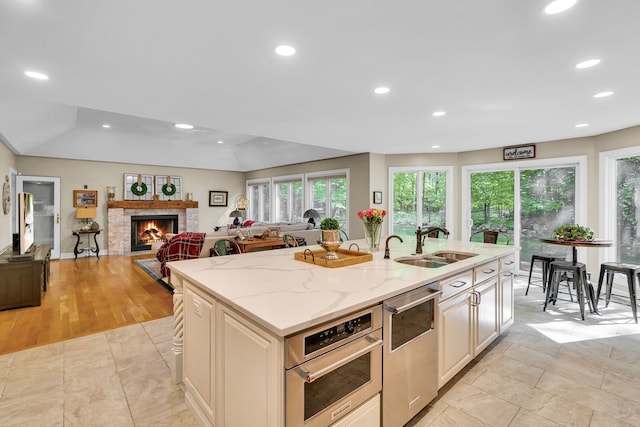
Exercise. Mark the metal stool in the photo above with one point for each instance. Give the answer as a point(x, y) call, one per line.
point(578, 273)
point(631, 271)
point(544, 261)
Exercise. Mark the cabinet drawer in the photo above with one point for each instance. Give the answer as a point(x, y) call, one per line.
point(485, 271)
point(456, 284)
point(507, 262)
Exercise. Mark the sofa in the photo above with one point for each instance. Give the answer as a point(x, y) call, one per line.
point(300, 230)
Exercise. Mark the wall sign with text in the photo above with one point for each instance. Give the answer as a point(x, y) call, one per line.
point(520, 152)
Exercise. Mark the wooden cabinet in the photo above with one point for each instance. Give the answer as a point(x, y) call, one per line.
point(22, 283)
point(233, 369)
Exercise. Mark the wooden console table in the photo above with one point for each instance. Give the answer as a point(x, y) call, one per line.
point(95, 233)
point(267, 242)
point(23, 282)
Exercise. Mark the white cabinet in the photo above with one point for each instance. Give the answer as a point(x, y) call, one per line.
point(469, 318)
point(454, 336)
point(485, 314)
point(250, 384)
point(199, 311)
point(366, 415)
point(505, 288)
point(232, 367)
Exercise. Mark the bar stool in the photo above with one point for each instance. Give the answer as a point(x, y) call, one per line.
point(544, 264)
point(578, 273)
point(629, 270)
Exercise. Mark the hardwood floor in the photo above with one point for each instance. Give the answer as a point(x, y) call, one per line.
point(85, 296)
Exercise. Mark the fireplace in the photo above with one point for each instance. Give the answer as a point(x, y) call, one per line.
point(149, 229)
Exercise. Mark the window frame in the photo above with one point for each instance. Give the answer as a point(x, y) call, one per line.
point(449, 201)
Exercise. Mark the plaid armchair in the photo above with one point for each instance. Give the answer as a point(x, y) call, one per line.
point(181, 246)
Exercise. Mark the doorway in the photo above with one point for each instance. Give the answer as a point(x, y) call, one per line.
point(46, 207)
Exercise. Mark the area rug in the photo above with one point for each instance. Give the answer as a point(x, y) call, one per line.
point(151, 266)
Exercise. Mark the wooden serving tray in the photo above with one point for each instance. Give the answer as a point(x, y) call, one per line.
point(347, 257)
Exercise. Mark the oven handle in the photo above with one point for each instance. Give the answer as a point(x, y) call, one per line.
point(310, 377)
point(398, 310)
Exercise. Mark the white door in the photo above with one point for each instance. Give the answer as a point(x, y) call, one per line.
point(46, 207)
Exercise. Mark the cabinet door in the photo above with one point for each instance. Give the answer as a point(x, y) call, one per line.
point(366, 415)
point(506, 300)
point(250, 384)
point(455, 344)
point(485, 314)
point(198, 356)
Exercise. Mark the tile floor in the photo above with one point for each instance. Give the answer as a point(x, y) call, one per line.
point(549, 369)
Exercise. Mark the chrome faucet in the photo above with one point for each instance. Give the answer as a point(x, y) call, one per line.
point(419, 233)
point(386, 245)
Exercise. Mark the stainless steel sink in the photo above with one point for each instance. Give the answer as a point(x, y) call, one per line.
point(422, 262)
point(435, 259)
point(453, 256)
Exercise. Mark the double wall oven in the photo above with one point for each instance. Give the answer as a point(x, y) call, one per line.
point(332, 369)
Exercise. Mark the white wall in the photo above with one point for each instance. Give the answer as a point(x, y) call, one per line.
point(7, 161)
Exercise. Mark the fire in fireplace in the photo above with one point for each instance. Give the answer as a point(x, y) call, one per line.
point(149, 229)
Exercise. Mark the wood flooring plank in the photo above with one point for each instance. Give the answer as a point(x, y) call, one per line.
point(86, 296)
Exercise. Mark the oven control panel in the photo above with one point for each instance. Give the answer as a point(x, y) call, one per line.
point(336, 333)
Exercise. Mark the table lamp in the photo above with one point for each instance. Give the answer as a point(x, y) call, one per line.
point(236, 215)
point(313, 215)
point(86, 214)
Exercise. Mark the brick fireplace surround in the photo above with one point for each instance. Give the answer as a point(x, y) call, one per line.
point(119, 219)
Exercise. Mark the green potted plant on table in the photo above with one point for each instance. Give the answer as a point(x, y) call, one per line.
point(573, 232)
point(330, 229)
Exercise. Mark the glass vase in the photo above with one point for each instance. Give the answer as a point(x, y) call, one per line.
point(372, 233)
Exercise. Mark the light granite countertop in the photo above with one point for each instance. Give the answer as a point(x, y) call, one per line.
point(286, 296)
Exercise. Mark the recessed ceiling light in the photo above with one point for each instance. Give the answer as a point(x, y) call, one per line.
point(106, 126)
point(381, 90)
point(582, 125)
point(603, 94)
point(435, 146)
point(558, 6)
point(220, 142)
point(183, 126)
point(588, 63)
point(36, 75)
point(285, 50)
point(439, 113)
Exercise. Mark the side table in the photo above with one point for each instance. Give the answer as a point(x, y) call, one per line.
point(95, 250)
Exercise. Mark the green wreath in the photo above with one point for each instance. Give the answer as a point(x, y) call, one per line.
point(169, 189)
point(139, 190)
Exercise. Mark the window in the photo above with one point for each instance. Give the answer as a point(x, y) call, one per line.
point(288, 199)
point(328, 194)
point(526, 200)
point(620, 210)
point(259, 200)
point(420, 199)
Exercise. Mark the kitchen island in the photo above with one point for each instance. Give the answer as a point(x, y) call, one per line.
point(232, 315)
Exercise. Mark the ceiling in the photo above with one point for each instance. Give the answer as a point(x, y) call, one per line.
point(502, 70)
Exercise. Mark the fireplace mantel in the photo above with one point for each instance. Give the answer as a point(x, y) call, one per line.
point(151, 204)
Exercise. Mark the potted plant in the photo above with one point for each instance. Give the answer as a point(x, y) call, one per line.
point(573, 232)
point(330, 229)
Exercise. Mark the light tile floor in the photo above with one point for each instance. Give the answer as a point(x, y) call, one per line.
point(549, 369)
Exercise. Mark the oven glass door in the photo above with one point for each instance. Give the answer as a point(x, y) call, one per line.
point(411, 323)
point(327, 387)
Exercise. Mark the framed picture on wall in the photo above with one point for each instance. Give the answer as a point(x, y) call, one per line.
point(85, 198)
point(377, 197)
point(218, 198)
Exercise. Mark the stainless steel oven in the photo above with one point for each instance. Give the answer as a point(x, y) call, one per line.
point(410, 379)
point(332, 369)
